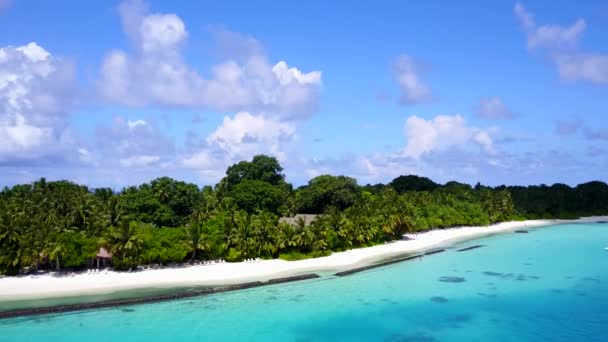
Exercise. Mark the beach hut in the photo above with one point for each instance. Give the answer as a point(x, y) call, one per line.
point(307, 218)
point(104, 256)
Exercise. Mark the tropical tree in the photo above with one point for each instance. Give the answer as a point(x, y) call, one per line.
point(55, 251)
point(196, 239)
point(124, 243)
point(326, 191)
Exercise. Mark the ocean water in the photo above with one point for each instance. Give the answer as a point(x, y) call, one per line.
point(548, 285)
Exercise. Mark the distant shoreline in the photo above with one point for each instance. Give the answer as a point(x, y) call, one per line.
point(230, 274)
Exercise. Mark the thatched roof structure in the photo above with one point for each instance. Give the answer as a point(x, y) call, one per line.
point(308, 219)
point(103, 253)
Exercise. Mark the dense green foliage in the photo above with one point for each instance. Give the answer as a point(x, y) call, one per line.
point(403, 184)
point(59, 225)
point(327, 191)
point(560, 200)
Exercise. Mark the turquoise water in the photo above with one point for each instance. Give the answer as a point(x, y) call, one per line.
point(550, 284)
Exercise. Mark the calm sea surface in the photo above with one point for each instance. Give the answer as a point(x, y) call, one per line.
point(548, 285)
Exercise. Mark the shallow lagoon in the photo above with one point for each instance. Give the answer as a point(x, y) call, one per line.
point(550, 284)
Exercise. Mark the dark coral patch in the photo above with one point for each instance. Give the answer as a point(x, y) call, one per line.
point(387, 300)
point(447, 279)
point(487, 295)
point(461, 318)
point(439, 299)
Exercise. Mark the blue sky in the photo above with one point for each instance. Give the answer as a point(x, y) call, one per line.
point(118, 93)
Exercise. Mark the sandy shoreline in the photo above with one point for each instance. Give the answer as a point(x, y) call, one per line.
point(47, 286)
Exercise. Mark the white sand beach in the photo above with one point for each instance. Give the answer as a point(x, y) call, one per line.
point(48, 286)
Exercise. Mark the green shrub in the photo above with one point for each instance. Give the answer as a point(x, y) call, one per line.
point(234, 255)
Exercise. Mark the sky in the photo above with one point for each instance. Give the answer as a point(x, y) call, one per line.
point(116, 93)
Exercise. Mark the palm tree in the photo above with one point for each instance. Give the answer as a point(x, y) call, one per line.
point(55, 251)
point(162, 188)
point(196, 239)
point(83, 211)
point(9, 231)
point(308, 237)
point(282, 235)
point(401, 222)
point(39, 243)
point(11, 241)
point(304, 236)
point(239, 236)
point(268, 234)
point(123, 241)
point(115, 211)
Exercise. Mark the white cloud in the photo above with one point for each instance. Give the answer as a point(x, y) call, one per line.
point(484, 140)
point(133, 124)
point(287, 75)
point(85, 155)
point(244, 134)
point(35, 93)
point(407, 73)
point(443, 148)
point(139, 161)
point(442, 133)
point(549, 35)
point(492, 108)
point(157, 74)
point(561, 44)
point(583, 67)
point(137, 143)
point(162, 33)
point(384, 167)
point(526, 18)
point(240, 138)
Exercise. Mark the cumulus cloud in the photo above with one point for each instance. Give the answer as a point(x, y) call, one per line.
point(553, 36)
point(561, 45)
point(583, 67)
point(139, 161)
point(443, 148)
point(35, 94)
point(492, 108)
point(155, 73)
point(442, 133)
point(238, 138)
point(469, 166)
point(407, 72)
point(441, 166)
point(138, 143)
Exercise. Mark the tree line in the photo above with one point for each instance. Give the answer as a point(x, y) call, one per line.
point(62, 225)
